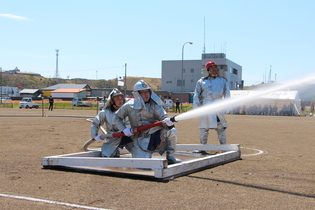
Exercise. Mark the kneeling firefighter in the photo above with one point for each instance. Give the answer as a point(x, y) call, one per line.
point(147, 108)
point(111, 147)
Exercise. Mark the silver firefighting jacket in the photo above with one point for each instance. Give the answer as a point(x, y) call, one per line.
point(148, 114)
point(103, 117)
point(106, 117)
point(140, 114)
point(207, 91)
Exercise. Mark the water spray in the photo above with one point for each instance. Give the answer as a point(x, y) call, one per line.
point(230, 103)
point(215, 107)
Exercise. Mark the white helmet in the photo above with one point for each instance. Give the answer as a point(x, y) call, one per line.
point(115, 92)
point(138, 101)
point(141, 85)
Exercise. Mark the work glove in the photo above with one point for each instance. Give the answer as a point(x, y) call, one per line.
point(127, 132)
point(168, 122)
point(98, 138)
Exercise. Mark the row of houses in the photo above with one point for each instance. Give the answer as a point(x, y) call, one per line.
point(70, 91)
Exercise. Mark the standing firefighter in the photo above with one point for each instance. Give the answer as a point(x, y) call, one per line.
point(147, 108)
point(208, 90)
point(110, 148)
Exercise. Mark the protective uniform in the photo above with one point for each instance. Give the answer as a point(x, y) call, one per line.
point(161, 138)
point(110, 148)
point(208, 90)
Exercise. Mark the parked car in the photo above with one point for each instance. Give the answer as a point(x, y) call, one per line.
point(6, 99)
point(168, 104)
point(28, 103)
point(79, 102)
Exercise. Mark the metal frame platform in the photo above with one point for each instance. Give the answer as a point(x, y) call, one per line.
point(155, 167)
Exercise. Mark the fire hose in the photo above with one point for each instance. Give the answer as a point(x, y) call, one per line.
point(121, 134)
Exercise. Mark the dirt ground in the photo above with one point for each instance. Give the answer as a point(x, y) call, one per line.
point(280, 178)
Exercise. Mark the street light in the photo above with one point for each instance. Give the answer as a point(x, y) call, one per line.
point(182, 82)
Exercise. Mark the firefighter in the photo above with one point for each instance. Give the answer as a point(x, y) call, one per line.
point(209, 89)
point(147, 108)
point(110, 147)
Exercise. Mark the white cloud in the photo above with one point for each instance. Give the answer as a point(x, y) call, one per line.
point(14, 17)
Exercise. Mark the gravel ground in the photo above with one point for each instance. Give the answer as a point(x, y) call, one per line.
point(280, 178)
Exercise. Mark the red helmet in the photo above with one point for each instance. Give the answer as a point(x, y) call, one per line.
point(210, 63)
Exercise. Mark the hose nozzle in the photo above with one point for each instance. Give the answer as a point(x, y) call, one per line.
point(173, 119)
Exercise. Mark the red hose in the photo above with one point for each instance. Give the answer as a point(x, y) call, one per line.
point(139, 129)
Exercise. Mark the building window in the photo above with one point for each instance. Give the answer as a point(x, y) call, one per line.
point(180, 83)
point(192, 70)
point(235, 71)
point(168, 82)
point(192, 81)
point(184, 70)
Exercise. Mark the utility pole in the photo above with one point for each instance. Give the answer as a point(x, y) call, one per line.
point(182, 71)
point(125, 79)
point(270, 75)
point(57, 73)
point(1, 85)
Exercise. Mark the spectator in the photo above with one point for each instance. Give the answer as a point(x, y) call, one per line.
point(51, 103)
point(177, 103)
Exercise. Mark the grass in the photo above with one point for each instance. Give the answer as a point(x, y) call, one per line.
point(67, 105)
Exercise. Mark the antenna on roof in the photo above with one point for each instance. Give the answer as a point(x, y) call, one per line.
point(204, 35)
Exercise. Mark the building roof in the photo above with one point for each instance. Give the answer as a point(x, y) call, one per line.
point(67, 86)
point(32, 91)
point(68, 91)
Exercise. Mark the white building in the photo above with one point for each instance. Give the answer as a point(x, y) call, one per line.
point(193, 71)
point(9, 91)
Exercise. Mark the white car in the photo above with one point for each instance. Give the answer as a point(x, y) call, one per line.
point(168, 104)
point(79, 102)
point(27, 102)
point(6, 99)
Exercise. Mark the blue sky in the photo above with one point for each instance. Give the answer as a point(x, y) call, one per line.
point(96, 38)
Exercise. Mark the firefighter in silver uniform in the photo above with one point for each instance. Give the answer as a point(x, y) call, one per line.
point(209, 89)
point(110, 148)
point(147, 108)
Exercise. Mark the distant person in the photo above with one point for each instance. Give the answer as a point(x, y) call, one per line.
point(274, 110)
point(210, 89)
point(51, 103)
point(177, 103)
point(303, 110)
point(284, 111)
point(312, 105)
